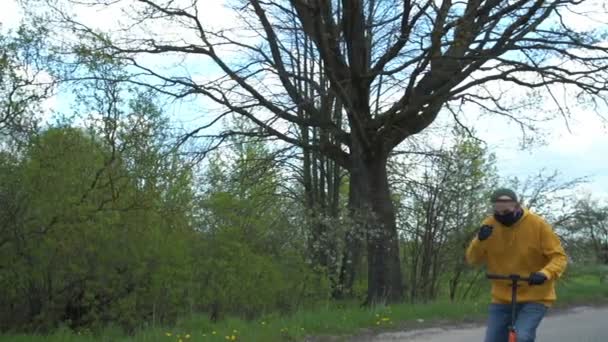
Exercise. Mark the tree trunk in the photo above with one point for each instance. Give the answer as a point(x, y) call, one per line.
point(374, 211)
point(351, 259)
point(603, 254)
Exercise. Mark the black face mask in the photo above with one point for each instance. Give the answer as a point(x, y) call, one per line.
point(509, 219)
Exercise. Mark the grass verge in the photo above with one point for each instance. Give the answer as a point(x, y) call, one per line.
point(329, 320)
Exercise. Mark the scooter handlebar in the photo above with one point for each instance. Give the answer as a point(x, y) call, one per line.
point(512, 277)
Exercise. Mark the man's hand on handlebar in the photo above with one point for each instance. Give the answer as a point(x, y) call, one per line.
point(537, 278)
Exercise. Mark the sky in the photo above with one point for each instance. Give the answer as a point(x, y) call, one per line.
point(580, 152)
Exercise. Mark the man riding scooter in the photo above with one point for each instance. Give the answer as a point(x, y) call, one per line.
point(517, 243)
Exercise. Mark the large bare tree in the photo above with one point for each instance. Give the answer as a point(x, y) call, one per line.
point(378, 72)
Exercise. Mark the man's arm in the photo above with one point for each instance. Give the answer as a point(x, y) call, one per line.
point(476, 253)
point(552, 249)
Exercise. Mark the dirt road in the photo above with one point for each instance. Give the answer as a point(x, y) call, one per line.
point(583, 324)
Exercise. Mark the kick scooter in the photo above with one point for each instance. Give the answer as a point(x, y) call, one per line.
point(514, 278)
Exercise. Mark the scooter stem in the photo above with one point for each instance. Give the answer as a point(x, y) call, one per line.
point(513, 301)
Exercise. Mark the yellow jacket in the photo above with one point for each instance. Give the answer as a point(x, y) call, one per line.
point(530, 245)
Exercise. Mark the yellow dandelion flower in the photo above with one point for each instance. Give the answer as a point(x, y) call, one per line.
point(385, 319)
point(168, 334)
point(233, 338)
point(187, 336)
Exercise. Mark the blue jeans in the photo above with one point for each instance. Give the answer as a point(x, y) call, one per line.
point(529, 316)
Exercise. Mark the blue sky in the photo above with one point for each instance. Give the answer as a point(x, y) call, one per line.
point(581, 152)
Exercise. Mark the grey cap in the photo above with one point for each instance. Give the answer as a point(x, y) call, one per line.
point(503, 192)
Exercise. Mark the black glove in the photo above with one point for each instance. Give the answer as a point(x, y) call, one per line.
point(537, 278)
point(484, 232)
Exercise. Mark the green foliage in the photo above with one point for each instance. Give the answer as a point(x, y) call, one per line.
point(252, 255)
point(103, 226)
point(333, 319)
point(446, 202)
point(93, 243)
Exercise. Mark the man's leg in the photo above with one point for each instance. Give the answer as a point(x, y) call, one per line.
point(498, 323)
point(528, 318)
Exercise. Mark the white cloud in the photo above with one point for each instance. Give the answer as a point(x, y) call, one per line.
point(587, 131)
point(10, 15)
point(587, 15)
point(212, 13)
point(579, 153)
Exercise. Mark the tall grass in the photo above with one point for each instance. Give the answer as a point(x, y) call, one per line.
point(584, 286)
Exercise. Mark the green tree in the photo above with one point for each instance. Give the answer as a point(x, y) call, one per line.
point(442, 205)
point(254, 255)
point(105, 231)
point(589, 227)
